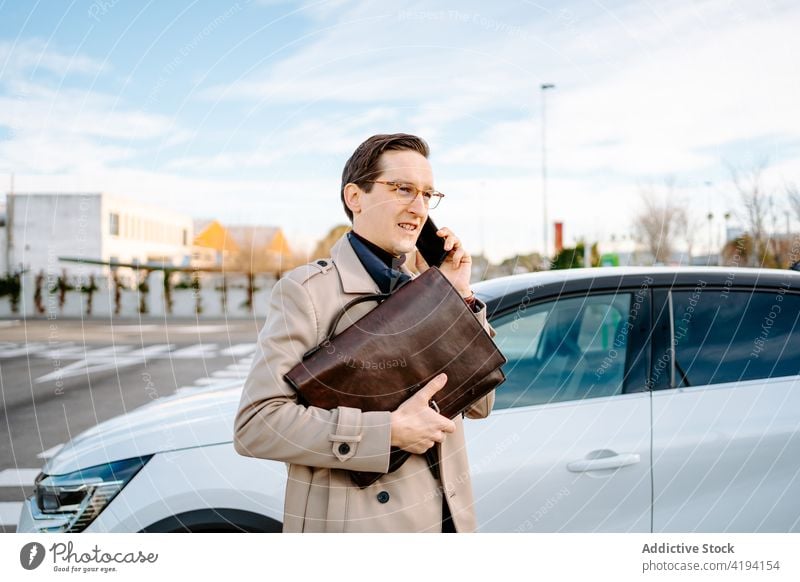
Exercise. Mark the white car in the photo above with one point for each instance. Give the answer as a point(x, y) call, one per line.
point(636, 400)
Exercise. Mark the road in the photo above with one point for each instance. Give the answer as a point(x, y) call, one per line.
point(59, 378)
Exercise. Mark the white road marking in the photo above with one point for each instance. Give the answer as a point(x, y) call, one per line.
point(18, 477)
point(239, 350)
point(109, 351)
point(132, 328)
point(208, 381)
point(241, 366)
point(16, 350)
point(66, 350)
point(9, 512)
point(153, 351)
point(197, 328)
point(84, 367)
point(229, 374)
point(98, 359)
point(196, 351)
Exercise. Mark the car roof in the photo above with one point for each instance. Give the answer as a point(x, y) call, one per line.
point(614, 277)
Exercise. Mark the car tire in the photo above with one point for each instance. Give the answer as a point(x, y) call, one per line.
point(215, 521)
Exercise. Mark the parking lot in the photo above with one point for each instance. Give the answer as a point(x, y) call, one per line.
point(59, 378)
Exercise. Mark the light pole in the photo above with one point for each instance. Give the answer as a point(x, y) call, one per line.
point(727, 217)
point(544, 87)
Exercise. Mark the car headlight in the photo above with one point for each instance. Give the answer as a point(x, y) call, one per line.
point(69, 503)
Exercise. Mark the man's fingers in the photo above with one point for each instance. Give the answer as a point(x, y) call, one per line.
point(450, 240)
point(422, 446)
point(457, 256)
point(450, 426)
point(433, 387)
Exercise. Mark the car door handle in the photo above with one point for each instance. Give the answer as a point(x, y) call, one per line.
point(613, 462)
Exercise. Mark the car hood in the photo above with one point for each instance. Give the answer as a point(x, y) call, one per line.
point(167, 424)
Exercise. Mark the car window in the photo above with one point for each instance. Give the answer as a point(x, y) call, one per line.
point(727, 336)
point(565, 349)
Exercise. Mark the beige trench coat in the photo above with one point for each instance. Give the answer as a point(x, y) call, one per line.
point(320, 496)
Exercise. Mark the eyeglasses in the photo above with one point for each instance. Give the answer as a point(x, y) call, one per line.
point(407, 193)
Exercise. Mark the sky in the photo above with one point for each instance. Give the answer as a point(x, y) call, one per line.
point(247, 111)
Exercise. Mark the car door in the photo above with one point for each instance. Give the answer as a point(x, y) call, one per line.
point(726, 436)
point(566, 447)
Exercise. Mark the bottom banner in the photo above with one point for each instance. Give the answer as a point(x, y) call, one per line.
point(401, 557)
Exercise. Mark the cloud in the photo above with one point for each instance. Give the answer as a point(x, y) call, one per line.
point(669, 108)
point(41, 110)
point(51, 153)
point(643, 91)
point(297, 136)
point(33, 54)
point(51, 126)
point(640, 91)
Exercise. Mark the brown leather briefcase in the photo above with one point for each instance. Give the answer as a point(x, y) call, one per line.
point(418, 331)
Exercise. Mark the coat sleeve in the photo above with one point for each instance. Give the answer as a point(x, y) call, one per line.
point(270, 424)
point(482, 407)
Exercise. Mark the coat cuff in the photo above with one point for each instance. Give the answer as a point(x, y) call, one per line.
point(479, 309)
point(362, 440)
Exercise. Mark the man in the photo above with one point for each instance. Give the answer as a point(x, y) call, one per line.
point(387, 189)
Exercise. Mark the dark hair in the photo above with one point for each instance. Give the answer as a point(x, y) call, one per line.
point(364, 164)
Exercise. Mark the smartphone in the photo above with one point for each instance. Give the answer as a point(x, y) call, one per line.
point(430, 245)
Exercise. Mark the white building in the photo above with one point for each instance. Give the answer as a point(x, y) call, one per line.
point(40, 228)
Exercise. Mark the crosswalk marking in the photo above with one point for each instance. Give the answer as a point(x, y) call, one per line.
point(239, 350)
point(197, 351)
point(108, 351)
point(71, 351)
point(151, 351)
point(241, 367)
point(15, 351)
point(208, 381)
point(83, 367)
point(228, 374)
point(9, 512)
point(18, 477)
point(64, 351)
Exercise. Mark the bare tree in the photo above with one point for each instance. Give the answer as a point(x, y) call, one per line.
point(793, 192)
point(323, 248)
point(691, 229)
point(757, 202)
point(661, 220)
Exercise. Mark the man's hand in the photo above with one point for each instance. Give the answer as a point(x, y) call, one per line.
point(415, 425)
point(457, 267)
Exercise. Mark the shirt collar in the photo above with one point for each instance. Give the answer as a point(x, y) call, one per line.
point(384, 268)
point(390, 260)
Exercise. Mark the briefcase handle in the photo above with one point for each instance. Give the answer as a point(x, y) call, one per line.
point(363, 299)
point(332, 330)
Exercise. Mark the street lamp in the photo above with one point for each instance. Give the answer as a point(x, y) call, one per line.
point(727, 217)
point(544, 87)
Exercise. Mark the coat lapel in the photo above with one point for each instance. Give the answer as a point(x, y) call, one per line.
point(352, 274)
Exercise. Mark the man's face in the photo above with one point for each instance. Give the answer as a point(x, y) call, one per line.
point(383, 219)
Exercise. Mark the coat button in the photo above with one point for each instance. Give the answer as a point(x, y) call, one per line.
point(344, 448)
point(322, 263)
point(383, 497)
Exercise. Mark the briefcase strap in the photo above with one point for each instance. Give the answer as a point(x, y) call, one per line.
point(332, 329)
point(363, 299)
point(375, 297)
